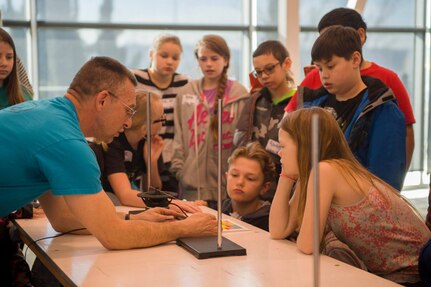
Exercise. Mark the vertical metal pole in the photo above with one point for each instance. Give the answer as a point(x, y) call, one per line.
point(34, 49)
point(219, 173)
point(197, 149)
point(316, 221)
point(149, 122)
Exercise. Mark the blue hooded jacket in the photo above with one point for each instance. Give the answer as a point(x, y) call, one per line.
point(377, 132)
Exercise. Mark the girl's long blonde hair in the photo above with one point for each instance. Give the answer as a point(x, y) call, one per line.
point(333, 148)
point(218, 45)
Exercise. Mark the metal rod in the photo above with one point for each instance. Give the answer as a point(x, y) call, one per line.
point(219, 173)
point(197, 150)
point(34, 49)
point(316, 221)
point(149, 122)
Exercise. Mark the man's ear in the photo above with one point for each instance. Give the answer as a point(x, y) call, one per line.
point(266, 188)
point(100, 100)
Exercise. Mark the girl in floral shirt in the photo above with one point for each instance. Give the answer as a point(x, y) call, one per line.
point(364, 212)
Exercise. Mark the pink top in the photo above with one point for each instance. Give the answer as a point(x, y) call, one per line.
point(384, 232)
point(388, 77)
point(210, 95)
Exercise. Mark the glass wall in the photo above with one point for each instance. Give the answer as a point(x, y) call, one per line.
point(226, 12)
point(69, 32)
point(16, 10)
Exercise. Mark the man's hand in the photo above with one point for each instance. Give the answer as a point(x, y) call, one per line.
point(201, 224)
point(156, 214)
point(201, 203)
point(38, 213)
point(187, 206)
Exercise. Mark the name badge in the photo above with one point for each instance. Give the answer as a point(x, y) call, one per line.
point(128, 156)
point(190, 100)
point(168, 103)
point(273, 146)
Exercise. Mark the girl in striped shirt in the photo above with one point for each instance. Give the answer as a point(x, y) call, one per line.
point(161, 78)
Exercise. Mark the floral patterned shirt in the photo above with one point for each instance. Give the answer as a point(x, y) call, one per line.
point(385, 233)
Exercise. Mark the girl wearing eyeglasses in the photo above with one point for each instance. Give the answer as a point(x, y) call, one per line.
point(196, 110)
point(161, 77)
point(123, 162)
point(265, 109)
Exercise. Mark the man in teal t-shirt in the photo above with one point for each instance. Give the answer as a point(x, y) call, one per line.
point(44, 155)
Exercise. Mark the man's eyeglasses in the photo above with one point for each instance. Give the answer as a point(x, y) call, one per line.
point(268, 70)
point(161, 120)
point(129, 110)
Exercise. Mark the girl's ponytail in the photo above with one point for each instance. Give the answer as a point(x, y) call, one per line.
point(220, 93)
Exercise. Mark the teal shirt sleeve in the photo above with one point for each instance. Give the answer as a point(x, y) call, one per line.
point(70, 167)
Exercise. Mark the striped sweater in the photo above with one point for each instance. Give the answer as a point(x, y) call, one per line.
point(168, 99)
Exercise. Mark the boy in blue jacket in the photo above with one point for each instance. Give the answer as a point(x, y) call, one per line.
point(364, 107)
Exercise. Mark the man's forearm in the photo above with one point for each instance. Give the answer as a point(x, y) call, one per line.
point(58, 213)
point(141, 234)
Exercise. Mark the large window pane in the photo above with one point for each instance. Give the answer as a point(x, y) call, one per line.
point(264, 36)
point(311, 11)
point(397, 13)
point(13, 10)
point(267, 12)
point(306, 43)
point(63, 51)
point(221, 12)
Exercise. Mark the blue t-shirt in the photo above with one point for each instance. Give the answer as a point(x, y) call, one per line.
point(42, 148)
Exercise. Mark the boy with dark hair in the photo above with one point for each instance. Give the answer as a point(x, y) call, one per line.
point(364, 107)
point(265, 108)
point(351, 18)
